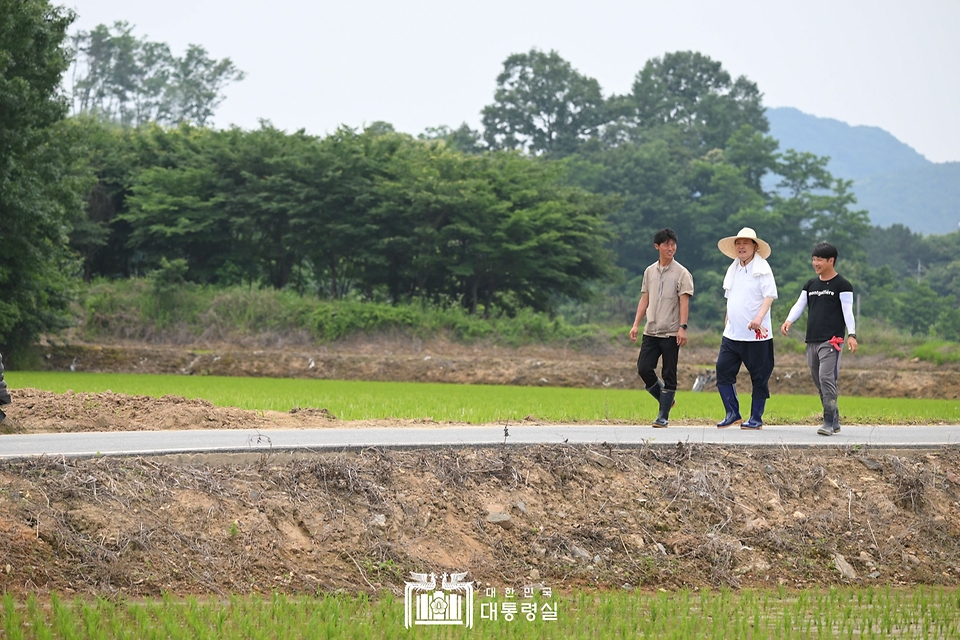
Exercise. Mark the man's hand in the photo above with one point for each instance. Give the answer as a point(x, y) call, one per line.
point(633, 333)
point(852, 345)
point(785, 327)
point(681, 337)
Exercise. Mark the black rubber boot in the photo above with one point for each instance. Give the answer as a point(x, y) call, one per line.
point(755, 422)
point(728, 394)
point(666, 403)
point(831, 418)
point(655, 390)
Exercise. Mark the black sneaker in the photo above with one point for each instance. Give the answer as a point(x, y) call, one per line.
point(827, 430)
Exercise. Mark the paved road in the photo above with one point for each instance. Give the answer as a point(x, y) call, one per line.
point(244, 440)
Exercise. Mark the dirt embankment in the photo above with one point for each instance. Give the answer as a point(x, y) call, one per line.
point(558, 516)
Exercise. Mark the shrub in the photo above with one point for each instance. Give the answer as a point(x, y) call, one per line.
point(938, 352)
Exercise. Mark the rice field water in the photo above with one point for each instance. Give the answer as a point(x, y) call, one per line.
point(475, 404)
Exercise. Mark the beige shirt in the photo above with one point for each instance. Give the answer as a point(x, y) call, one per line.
point(664, 286)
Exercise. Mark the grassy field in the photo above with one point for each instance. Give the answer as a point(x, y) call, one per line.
point(841, 613)
point(474, 404)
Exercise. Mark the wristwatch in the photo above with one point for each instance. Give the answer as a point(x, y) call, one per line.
point(852, 335)
point(684, 326)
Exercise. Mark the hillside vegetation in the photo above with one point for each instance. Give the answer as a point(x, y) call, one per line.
point(893, 182)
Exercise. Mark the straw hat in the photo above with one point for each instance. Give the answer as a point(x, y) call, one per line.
point(726, 245)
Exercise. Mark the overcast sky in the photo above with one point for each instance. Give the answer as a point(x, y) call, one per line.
point(316, 64)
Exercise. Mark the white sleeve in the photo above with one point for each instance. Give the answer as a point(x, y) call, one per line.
point(798, 308)
point(846, 303)
point(768, 287)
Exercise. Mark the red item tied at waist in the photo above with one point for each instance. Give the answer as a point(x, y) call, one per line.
point(837, 342)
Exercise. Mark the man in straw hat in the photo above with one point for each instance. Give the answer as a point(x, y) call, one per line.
point(750, 289)
point(829, 296)
point(665, 301)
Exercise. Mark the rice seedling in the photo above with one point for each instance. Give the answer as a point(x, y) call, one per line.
point(857, 612)
point(475, 404)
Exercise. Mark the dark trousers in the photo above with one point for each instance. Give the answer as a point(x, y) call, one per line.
point(756, 356)
point(653, 349)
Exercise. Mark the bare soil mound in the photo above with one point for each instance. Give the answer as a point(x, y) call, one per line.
point(558, 516)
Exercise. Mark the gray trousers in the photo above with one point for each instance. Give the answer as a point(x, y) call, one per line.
point(824, 362)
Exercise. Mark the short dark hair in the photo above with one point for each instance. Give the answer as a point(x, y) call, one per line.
point(826, 251)
point(665, 234)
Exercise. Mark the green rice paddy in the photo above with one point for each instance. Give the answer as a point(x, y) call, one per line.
point(475, 404)
point(750, 614)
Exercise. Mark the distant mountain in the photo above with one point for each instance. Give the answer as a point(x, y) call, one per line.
point(891, 180)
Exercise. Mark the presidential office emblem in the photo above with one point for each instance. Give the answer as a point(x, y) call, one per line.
point(426, 603)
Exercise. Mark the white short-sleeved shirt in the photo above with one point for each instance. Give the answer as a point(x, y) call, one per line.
point(744, 299)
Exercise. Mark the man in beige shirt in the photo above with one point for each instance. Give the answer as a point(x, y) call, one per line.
point(665, 301)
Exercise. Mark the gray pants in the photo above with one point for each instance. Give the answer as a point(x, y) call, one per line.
point(824, 362)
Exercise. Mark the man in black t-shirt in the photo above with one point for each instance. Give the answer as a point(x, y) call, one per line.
point(830, 299)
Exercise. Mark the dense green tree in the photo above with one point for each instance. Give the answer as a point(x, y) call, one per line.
point(424, 195)
point(555, 236)
point(338, 230)
point(754, 153)
point(131, 81)
point(197, 86)
point(117, 155)
point(463, 138)
point(919, 307)
point(815, 207)
point(558, 205)
point(124, 76)
point(41, 185)
point(649, 178)
point(944, 278)
point(692, 92)
point(99, 238)
point(543, 105)
point(177, 210)
point(497, 230)
point(895, 246)
point(261, 182)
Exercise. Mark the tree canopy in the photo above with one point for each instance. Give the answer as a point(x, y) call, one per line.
point(542, 105)
point(40, 184)
point(132, 81)
point(555, 202)
point(372, 213)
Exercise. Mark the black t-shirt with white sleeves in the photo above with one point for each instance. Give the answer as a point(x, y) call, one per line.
point(824, 313)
